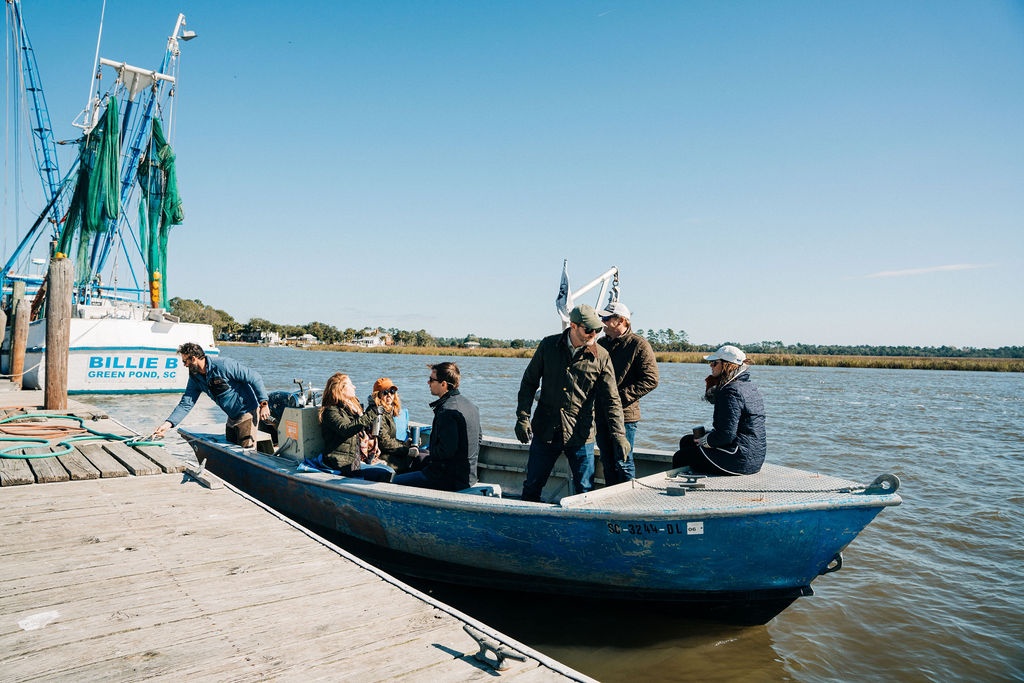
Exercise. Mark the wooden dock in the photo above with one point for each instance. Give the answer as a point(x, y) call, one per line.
point(109, 575)
point(90, 458)
point(158, 577)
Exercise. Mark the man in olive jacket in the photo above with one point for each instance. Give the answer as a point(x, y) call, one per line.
point(636, 372)
point(576, 378)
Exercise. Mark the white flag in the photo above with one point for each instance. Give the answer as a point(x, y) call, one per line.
point(562, 300)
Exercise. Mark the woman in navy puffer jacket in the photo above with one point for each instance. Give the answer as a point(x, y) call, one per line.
point(737, 443)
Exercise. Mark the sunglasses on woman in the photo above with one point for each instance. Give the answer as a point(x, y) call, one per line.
point(392, 391)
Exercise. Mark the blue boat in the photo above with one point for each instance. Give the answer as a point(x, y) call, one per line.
point(742, 547)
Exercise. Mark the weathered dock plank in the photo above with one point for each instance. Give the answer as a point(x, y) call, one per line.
point(159, 578)
point(15, 472)
point(166, 461)
point(134, 462)
point(21, 400)
point(48, 470)
point(78, 466)
point(104, 462)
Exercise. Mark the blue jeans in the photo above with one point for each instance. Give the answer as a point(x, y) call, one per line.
point(542, 460)
point(372, 473)
point(616, 471)
point(415, 478)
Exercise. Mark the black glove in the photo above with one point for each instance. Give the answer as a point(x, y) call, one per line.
point(523, 430)
point(623, 447)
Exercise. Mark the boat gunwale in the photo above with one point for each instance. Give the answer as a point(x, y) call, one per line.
point(467, 502)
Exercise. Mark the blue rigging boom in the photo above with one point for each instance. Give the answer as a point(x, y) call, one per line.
point(43, 144)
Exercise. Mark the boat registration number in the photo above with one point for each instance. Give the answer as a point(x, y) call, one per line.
point(654, 528)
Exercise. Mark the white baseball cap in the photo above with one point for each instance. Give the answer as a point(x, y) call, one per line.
point(616, 308)
point(728, 353)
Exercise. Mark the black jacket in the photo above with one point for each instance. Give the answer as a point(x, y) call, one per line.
point(454, 443)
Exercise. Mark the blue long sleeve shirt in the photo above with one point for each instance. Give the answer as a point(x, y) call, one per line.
point(231, 385)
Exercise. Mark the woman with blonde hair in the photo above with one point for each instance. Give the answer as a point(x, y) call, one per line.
point(401, 456)
point(736, 443)
point(349, 446)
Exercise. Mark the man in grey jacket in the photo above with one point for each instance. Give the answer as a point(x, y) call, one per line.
point(636, 373)
point(576, 378)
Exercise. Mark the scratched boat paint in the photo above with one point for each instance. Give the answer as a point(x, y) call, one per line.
point(745, 546)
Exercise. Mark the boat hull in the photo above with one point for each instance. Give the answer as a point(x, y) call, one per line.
point(115, 356)
point(754, 558)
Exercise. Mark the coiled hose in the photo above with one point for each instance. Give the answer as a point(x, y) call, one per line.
point(39, 435)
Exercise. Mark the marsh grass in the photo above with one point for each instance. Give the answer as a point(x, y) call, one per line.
point(430, 351)
point(890, 362)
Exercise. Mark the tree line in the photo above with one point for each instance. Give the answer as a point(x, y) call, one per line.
point(195, 311)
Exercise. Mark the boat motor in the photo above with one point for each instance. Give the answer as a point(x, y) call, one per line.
point(298, 421)
point(298, 434)
point(279, 400)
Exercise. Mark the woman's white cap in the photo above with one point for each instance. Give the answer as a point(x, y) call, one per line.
point(729, 354)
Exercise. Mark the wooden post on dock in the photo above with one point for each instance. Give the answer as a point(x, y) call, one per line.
point(21, 308)
point(60, 282)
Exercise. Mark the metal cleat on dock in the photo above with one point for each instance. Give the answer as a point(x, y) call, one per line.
point(489, 646)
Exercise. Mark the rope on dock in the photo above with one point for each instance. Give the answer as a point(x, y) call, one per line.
point(39, 434)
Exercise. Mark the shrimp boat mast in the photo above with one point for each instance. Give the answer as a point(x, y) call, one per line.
point(111, 212)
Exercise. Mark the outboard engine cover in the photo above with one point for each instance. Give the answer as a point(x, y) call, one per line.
point(278, 401)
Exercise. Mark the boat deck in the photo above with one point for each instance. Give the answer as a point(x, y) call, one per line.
point(774, 488)
point(160, 578)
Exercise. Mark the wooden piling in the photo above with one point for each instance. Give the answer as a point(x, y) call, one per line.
point(19, 339)
point(17, 294)
point(60, 282)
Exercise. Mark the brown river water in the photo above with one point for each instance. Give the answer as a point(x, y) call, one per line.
point(932, 590)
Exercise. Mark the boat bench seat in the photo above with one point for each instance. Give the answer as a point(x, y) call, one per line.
point(489, 490)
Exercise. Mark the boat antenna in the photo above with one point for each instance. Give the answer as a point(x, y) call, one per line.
point(95, 66)
point(180, 33)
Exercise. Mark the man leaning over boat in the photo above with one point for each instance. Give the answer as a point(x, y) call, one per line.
point(235, 388)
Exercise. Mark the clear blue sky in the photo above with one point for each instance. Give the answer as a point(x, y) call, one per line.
point(800, 171)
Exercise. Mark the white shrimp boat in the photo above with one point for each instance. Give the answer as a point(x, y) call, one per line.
point(112, 213)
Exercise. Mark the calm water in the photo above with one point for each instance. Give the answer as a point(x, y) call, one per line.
point(932, 590)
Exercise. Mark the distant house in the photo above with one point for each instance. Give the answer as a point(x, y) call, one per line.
point(272, 338)
point(372, 338)
point(258, 337)
point(471, 344)
point(302, 340)
point(375, 340)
